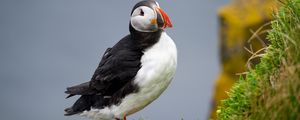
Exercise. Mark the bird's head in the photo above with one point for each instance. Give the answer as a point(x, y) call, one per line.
point(147, 16)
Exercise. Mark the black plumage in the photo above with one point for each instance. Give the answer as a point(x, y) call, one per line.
point(113, 78)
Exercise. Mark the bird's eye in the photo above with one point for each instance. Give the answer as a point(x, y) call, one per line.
point(142, 13)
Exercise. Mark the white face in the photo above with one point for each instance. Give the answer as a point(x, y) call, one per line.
point(144, 19)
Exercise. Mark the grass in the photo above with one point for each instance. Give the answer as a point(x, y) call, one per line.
point(271, 90)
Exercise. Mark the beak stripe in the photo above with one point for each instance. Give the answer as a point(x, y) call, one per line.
point(166, 19)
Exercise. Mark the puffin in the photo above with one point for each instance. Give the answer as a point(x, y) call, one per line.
point(131, 74)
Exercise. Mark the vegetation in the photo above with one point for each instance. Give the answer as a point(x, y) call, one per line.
point(271, 90)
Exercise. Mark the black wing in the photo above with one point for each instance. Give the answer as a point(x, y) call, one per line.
point(112, 79)
point(85, 88)
point(116, 69)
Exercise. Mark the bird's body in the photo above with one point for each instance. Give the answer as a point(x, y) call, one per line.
point(132, 73)
point(159, 64)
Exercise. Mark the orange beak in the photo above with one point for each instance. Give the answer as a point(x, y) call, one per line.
point(165, 17)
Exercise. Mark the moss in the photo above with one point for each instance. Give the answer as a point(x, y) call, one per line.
point(271, 89)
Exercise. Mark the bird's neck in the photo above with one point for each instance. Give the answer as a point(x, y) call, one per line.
point(145, 39)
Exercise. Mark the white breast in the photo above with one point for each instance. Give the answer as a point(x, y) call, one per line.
point(159, 63)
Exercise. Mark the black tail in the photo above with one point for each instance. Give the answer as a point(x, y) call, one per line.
point(82, 89)
point(85, 102)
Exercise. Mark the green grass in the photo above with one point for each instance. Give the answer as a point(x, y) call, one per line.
point(272, 89)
